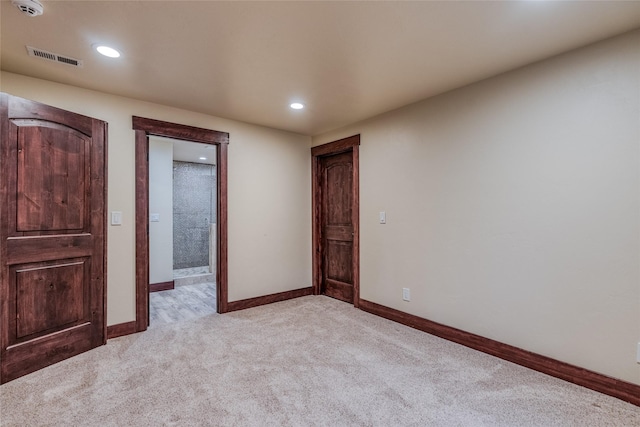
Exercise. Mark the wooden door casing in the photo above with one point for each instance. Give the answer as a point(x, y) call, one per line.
point(52, 235)
point(144, 127)
point(336, 219)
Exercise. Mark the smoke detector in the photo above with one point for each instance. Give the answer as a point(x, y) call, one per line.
point(29, 7)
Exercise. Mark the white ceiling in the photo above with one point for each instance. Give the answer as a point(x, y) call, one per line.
point(188, 151)
point(346, 61)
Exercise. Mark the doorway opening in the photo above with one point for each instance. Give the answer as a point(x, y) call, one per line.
point(182, 230)
point(144, 128)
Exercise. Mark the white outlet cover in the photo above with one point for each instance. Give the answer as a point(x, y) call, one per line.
point(406, 294)
point(638, 355)
point(154, 217)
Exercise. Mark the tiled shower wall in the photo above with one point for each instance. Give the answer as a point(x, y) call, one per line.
point(194, 208)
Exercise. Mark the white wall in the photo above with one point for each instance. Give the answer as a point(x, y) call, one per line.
point(513, 207)
point(161, 202)
point(269, 193)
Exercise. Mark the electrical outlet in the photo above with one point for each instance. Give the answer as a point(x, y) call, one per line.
point(406, 294)
point(638, 354)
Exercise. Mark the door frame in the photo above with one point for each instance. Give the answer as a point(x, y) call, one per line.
point(144, 127)
point(349, 144)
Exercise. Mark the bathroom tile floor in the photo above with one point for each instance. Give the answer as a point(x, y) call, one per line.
point(182, 303)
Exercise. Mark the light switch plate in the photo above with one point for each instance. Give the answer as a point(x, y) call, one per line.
point(154, 217)
point(383, 217)
point(116, 218)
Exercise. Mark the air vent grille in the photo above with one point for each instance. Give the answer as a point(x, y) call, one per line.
point(50, 56)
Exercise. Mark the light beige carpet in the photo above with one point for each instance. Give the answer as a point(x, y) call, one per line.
point(305, 362)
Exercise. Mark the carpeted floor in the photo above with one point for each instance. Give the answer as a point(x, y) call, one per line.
point(311, 361)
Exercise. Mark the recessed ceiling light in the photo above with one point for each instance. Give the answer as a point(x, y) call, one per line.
point(203, 158)
point(297, 106)
point(108, 51)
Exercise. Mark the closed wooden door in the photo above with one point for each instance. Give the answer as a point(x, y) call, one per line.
point(52, 235)
point(337, 216)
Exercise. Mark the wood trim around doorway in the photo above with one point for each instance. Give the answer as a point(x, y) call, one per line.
point(269, 299)
point(162, 286)
point(144, 127)
point(351, 144)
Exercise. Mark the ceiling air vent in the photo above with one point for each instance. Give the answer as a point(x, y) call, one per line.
point(50, 56)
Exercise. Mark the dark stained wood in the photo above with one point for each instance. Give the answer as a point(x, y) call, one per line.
point(178, 131)
point(48, 296)
point(339, 290)
point(335, 235)
point(268, 299)
point(52, 235)
point(339, 232)
point(355, 212)
point(143, 128)
point(24, 109)
point(336, 183)
point(52, 178)
point(316, 244)
point(48, 247)
point(55, 348)
point(162, 286)
point(7, 152)
point(336, 147)
point(601, 383)
point(142, 230)
point(121, 329)
point(221, 252)
point(98, 220)
point(339, 259)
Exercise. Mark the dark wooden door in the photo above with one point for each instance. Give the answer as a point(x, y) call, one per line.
point(336, 207)
point(52, 235)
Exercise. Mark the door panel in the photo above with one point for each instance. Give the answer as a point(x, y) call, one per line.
point(338, 275)
point(337, 189)
point(52, 184)
point(52, 235)
point(339, 255)
point(337, 228)
point(49, 297)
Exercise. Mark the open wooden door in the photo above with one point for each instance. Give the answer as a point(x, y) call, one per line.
point(52, 235)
